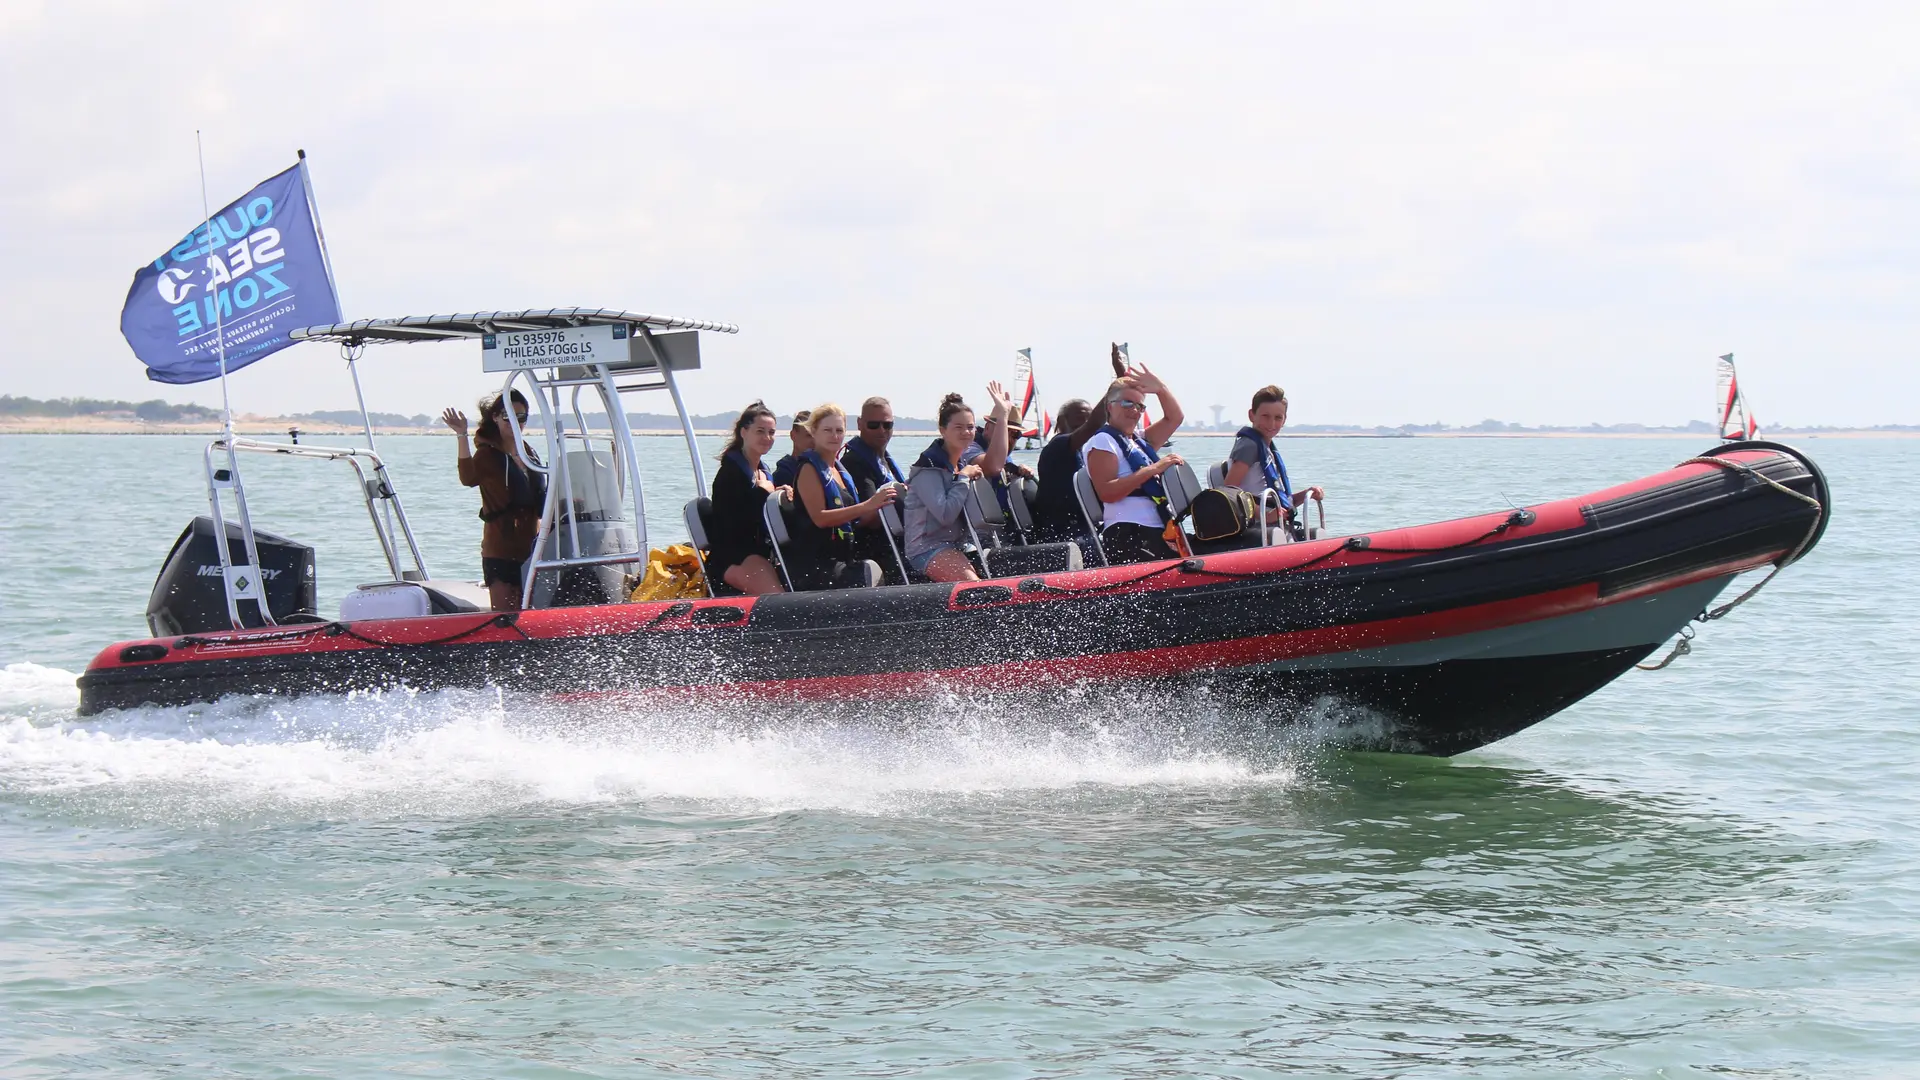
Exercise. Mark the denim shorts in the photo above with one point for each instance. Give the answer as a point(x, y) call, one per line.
point(919, 562)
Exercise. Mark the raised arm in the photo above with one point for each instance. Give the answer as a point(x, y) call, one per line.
point(995, 458)
point(1170, 415)
point(463, 464)
point(1097, 416)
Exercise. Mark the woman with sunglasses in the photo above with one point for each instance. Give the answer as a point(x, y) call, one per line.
point(937, 487)
point(1125, 468)
point(511, 494)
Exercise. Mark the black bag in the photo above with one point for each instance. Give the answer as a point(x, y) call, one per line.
point(1223, 513)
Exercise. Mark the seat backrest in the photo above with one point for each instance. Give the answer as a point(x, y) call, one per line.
point(1217, 475)
point(773, 511)
point(695, 514)
point(1021, 504)
point(1181, 487)
point(1091, 512)
point(983, 505)
point(1090, 507)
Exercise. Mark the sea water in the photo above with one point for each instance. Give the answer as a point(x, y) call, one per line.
point(1711, 870)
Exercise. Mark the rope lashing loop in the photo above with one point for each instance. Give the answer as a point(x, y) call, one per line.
point(1683, 647)
point(1680, 648)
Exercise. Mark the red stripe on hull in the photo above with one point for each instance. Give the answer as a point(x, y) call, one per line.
point(1148, 663)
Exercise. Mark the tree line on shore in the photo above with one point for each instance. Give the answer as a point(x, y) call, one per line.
point(166, 412)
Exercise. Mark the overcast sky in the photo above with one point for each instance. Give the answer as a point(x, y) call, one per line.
point(1544, 213)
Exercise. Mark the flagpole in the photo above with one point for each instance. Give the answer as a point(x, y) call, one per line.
point(326, 261)
point(244, 589)
point(213, 292)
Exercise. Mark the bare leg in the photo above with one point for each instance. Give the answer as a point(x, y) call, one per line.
point(951, 565)
point(503, 596)
point(754, 576)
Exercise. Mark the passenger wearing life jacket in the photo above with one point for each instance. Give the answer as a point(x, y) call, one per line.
point(937, 496)
point(1255, 465)
point(512, 495)
point(1056, 516)
point(1125, 467)
point(823, 554)
point(788, 468)
point(741, 554)
point(868, 458)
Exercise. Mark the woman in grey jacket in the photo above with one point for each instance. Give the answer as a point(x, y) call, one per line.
point(937, 486)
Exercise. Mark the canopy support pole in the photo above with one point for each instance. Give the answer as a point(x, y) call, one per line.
point(680, 407)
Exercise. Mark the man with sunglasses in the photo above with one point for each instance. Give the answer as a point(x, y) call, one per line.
point(866, 459)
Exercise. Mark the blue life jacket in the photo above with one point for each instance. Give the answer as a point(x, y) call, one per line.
point(1272, 467)
point(837, 496)
point(785, 471)
point(881, 463)
point(935, 457)
point(1139, 456)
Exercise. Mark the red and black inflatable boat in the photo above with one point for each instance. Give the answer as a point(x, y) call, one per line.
point(1453, 634)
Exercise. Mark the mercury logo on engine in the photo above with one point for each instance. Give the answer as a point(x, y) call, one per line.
point(213, 570)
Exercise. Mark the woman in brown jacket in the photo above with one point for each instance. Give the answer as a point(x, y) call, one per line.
point(511, 495)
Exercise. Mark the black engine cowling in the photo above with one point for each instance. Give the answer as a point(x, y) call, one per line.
point(190, 598)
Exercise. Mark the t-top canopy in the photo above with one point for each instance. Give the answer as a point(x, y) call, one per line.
point(481, 323)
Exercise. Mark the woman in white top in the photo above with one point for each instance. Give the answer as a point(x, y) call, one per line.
point(1125, 469)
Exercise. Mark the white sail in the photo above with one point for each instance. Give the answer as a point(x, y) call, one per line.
point(1024, 394)
point(1736, 420)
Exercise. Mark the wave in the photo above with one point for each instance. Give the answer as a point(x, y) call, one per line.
point(468, 752)
point(31, 690)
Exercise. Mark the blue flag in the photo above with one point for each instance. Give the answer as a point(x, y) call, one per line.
point(252, 273)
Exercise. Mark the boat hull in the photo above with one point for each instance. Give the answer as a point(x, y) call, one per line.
point(1436, 639)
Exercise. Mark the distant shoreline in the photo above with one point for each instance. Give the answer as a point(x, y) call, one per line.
point(277, 427)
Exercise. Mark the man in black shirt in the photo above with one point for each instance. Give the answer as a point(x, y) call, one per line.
point(867, 461)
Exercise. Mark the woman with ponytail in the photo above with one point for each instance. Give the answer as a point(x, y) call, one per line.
point(937, 496)
point(741, 554)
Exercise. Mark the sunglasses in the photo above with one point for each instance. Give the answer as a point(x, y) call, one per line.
point(879, 425)
point(1135, 406)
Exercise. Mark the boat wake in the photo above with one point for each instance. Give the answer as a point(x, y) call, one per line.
point(455, 753)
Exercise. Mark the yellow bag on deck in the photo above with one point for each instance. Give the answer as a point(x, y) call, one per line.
point(672, 574)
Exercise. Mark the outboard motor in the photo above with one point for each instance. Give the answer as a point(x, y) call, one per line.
point(189, 596)
point(592, 512)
